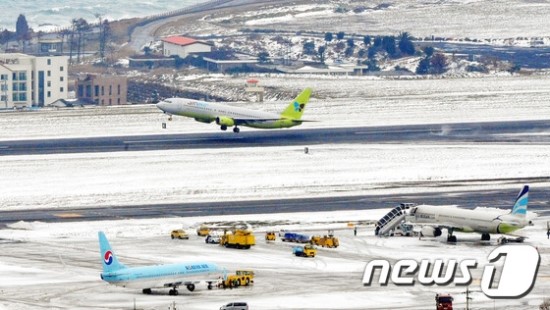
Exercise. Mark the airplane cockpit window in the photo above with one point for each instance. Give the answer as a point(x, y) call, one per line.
point(167, 101)
point(413, 211)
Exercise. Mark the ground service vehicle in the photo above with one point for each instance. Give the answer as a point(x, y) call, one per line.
point(240, 278)
point(295, 237)
point(235, 306)
point(270, 236)
point(327, 241)
point(443, 302)
point(305, 251)
point(203, 231)
point(240, 239)
point(212, 239)
point(179, 233)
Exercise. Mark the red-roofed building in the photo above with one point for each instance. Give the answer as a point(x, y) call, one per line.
point(183, 46)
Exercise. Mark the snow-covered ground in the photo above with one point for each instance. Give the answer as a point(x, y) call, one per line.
point(57, 266)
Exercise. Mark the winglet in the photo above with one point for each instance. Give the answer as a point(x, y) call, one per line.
point(520, 207)
point(296, 108)
point(108, 258)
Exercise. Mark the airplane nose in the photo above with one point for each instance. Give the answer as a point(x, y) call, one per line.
point(162, 106)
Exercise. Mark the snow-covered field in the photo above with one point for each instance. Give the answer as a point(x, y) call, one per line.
point(57, 266)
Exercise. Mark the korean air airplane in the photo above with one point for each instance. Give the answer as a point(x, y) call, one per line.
point(485, 221)
point(159, 276)
point(229, 116)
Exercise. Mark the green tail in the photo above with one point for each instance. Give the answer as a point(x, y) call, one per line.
point(296, 108)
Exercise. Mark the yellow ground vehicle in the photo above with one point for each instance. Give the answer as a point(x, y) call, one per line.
point(305, 251)
point(179, 233)
point(203, 231)
point(326, 241)
point(240, 278)
point(270, 236)
point(240, 239)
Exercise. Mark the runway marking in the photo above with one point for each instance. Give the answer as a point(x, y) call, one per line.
point(68, 215)
point(173, 140)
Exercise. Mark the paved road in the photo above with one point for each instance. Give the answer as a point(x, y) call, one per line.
point(527, 132)
point(504, 198)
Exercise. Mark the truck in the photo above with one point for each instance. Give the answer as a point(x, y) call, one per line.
point(443, 302)
point(239, 239)
point(295, 237)
point(240, 278)
point(270, 236)
point(328, 241)
point(304, 251)
point(179, 234)
point(203, 231)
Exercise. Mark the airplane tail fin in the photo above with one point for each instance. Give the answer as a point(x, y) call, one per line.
point(520, 207)
point(296, 108)
point(108, 257)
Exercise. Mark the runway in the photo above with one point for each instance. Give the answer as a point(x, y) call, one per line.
point(537, 131)
point(503, 198)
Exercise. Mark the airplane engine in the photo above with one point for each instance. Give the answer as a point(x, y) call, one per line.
point(428, 231)
point(224, 120)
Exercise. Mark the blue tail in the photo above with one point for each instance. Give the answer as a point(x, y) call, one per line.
point(108, 257)
point(520, 207)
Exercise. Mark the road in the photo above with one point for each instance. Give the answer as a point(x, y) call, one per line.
point(524, 132)
point(502, 198)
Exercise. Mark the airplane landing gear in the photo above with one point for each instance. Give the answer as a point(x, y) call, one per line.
point(236, 129)
point(223, 127)
point(173, 292)
point(485, 237)
point(450, 237)
point(191, 287)
point(209, 285)
point(146, 291)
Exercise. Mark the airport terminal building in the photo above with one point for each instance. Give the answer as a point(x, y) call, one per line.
point(27, 81)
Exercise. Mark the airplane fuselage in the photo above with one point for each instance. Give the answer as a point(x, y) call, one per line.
point(481, 220)
point(162, 275)
point(207, 112)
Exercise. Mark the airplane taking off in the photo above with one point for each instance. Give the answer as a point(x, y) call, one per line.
point(229, 116)
point(158, 276)
point(481, 220)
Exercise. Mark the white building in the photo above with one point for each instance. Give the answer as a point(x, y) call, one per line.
point(27, 81)
point(183, 46)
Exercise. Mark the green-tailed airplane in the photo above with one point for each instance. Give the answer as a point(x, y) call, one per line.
point(228, 116)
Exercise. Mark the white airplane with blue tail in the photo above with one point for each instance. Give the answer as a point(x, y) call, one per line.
point(158, 276)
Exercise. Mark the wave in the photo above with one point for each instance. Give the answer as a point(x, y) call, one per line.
point(59, 13)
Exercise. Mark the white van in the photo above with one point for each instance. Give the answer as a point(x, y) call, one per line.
point(235, 306)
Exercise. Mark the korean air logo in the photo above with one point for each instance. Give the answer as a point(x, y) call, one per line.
point(298, 107)
point(108, 257)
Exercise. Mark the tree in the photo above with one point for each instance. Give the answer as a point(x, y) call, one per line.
point(371, 53)
point(21, 27)
point(349, 51)
point(367, 40)
point(80, 26)
point(309, 48)
point(423, 66)
point(388, 44)
point(5, 37)
point(438, 63)
point(263, 57)
point(321, 52)
point(340, 35)
point(104, 36)
point(377, 41)
point(429, 51)
point(351, 42)
point(406, 45)
point(328, 36)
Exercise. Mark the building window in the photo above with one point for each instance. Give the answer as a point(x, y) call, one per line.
point(61, 68)
point(23, 86)
point(49, 62)
point(3, 87)
point(102, 91)
point(3, 98)
point(49, 84)
point(61, 89)
point(110, 103)
point(49, 73)
point(81, 90)
point(96, 90)
point(23, 76)
point(118, 91)
point(15, 86)
point(110, 90)
point(22, 96)
point(49, 94)
point(61, 79)
point(118, 101)
point(3, 77)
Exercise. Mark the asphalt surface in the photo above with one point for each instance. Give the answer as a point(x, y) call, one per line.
point(522, 132)
point(502, 198)
point(494, 132)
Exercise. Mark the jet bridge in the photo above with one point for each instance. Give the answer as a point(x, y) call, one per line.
point(392, 219)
